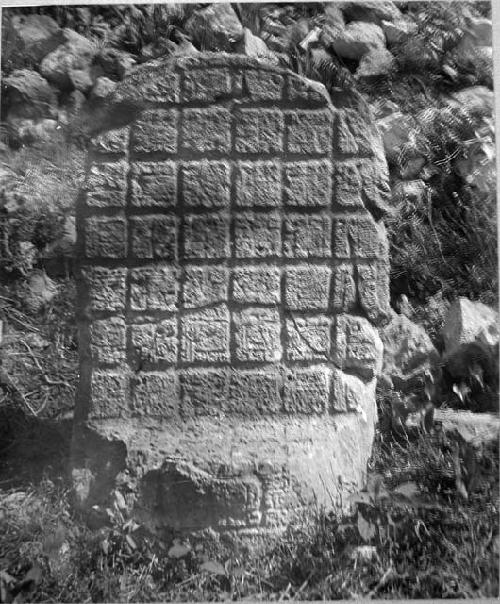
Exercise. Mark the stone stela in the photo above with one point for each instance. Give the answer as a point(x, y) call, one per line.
point(233, 269)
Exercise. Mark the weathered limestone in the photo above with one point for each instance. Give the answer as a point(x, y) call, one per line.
point(231, 278)
point(408, 354)
point(29, 95)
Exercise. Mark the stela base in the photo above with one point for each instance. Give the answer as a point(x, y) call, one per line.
point(252, 477)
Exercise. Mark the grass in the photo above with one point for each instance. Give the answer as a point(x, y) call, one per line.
point(39, 354)
point(411, 535)
point(37, 195)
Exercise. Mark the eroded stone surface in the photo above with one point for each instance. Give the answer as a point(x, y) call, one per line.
point(233, 268)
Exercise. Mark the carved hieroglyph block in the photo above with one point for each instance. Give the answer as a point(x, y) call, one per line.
point(154, 184)
point(205, 336)
point(257, 335)
point(153, 288)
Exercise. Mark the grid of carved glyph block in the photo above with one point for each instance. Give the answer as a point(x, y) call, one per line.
point(231, 262)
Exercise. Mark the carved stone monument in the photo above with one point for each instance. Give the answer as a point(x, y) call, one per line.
point(233, 270)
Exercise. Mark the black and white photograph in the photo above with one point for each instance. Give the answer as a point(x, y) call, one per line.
point(249, 336)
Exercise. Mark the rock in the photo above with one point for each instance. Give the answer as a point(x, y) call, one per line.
point(398, 30)
point(411, 191)
point(396, 129)
point(474, 440)
point(482, 29)
point(124, 64)
point(253, 46)
point(81, 79)
point(276, 44)
point(75, 54)
point(470, 336)
point(355, 40)
point(334, 16)
point(64, 245)
point(472, 431)
point(185, 48)
point(376, 63)
point(29, 95)
point(435, 311)
point(215, 27)
point(469, 322)
point(38, 291)
point(374, 11)
point(27, 131)
point(276, 26)
point(71, 108)
point(76, 100)
point(470, 428)
point(103, 87)
point(429, 171)
point(29, 254)
point(299, 31)
point(480, 57)
point(410, 168)
point(479, 33)
point(160, 47)
point(6, 175)
point(383, 108)
point(10, 201)
point(476, 99)
point(27, 39)
point(106, 59)
point(475, 63)
point(418, 54)
point(333, 26)
point(114, 63)
point(408, 354)
point(478, 169)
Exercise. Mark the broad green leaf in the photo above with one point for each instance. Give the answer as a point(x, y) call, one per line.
point(366, 529)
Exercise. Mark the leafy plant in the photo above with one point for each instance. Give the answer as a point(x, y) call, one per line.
point(440, 26)
point(445, 241)
point(36, 200)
